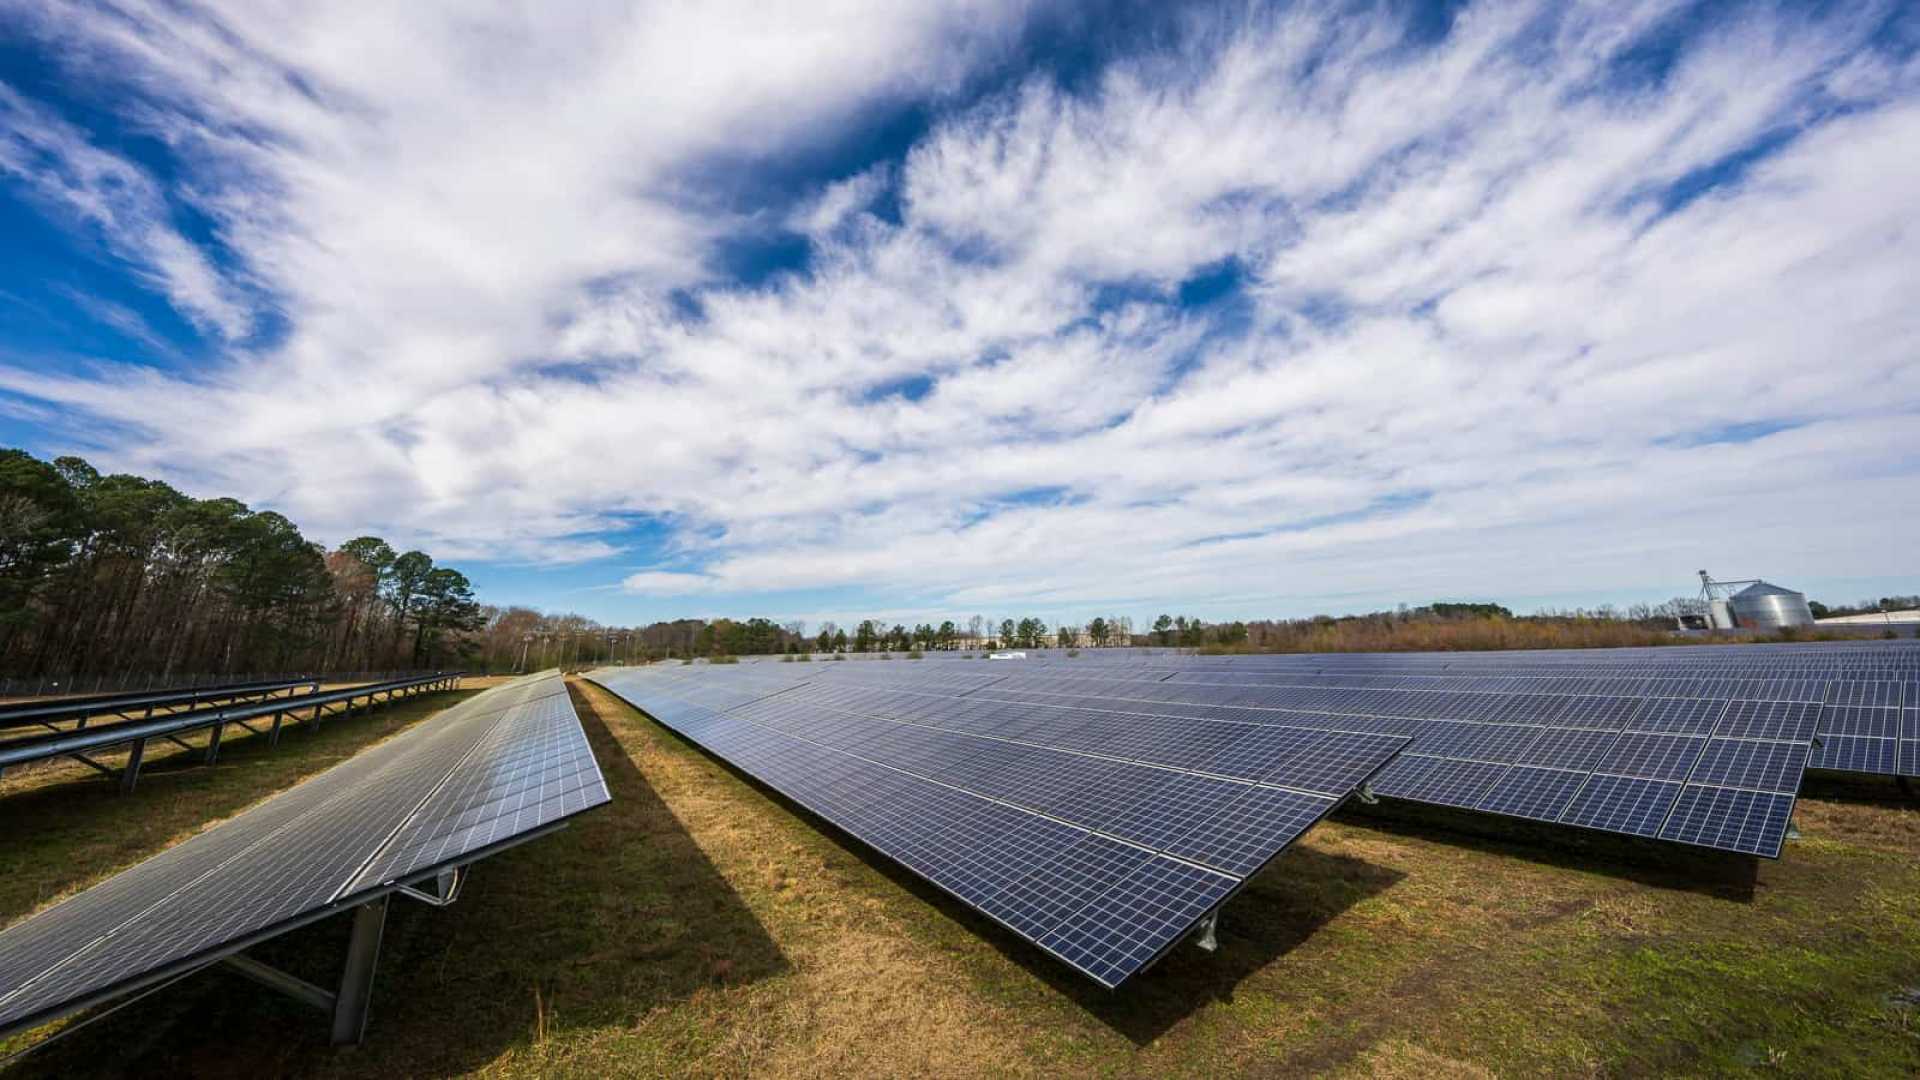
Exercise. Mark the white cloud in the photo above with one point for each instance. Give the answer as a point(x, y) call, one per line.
point(1473, 354)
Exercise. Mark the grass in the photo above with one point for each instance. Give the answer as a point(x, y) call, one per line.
point(702, 926)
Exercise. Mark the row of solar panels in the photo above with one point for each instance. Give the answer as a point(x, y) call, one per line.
point(1152, 759)
point(50, 712)
point(1895, 660)
point(1615, 764)
point(1858, 725)
point(495, 770)
point(1103, 861)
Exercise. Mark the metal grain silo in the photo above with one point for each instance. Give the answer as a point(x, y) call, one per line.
point(1762, 606)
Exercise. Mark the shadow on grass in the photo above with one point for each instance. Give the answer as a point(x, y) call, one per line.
point(1861, 790)
point(1280, 908)
point(1660, 864)
point(592, 926)
point(1284, 905)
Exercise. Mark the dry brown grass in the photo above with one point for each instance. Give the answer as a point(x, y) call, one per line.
point(1387, 633)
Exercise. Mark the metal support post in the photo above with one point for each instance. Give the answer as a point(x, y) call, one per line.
point(273, 733)
point(131, 774)
point(356, 982)
point(213, 744)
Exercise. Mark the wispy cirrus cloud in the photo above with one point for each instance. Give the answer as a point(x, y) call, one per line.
point(118, 202)
point(1275, 306)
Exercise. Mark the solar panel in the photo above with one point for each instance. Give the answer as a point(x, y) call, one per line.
point(1726, 725)
point(497, 769)
point(1102, 837)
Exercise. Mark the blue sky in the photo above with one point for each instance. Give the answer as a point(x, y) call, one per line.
point(989, 307)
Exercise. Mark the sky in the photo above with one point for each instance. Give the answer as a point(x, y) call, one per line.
point(837, 310)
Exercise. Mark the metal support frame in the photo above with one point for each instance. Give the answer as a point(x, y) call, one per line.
point(350, 1004)
point(94, 765)
point(131, 773)
point(1365, 794)
point(1205, 932)
point(1793, 830)
point(444, 890)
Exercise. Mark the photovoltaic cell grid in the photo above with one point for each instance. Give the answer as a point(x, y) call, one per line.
point(1562, 747)
point(1103, 839)
point(501, 765)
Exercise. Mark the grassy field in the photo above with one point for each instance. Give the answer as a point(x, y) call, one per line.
point(701, 925)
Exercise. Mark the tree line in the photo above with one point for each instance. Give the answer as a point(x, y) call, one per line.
point(111, 574)
point(117, 574)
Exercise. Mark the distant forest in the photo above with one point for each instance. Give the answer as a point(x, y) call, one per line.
point(111, 575)
point(106, 575)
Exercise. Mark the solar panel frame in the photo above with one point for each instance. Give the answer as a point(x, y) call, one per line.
point(233, 886)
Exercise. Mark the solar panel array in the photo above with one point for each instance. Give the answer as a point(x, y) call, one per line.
point(1699, 746)
point(502, 765)
point(1866, 695)
point(1602, 760)
point(1103, 837)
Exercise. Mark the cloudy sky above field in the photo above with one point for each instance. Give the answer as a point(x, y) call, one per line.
point(822, 310)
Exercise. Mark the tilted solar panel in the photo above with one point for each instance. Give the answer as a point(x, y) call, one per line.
point(496, 769)
point(1102, 839)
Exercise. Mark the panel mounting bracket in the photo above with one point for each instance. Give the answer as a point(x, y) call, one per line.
point(1793, 830)
point(1365, 794)
point(1205, 932)
point(349, 1005)
point(444, 889)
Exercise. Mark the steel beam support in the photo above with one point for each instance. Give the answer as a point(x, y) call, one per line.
point(130, 775)
point(273, 733)
point(350, 1005)
point(213, 744)
point(94, 765)
point(291, 985)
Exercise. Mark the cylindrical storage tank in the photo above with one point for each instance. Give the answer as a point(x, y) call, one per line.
point(1761, 606)
point(1718, 615)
